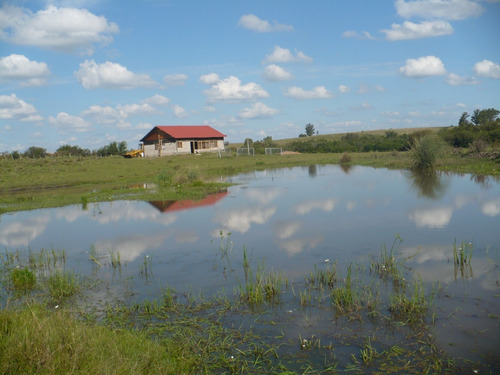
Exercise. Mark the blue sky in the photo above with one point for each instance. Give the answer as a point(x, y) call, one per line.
point(89, 72)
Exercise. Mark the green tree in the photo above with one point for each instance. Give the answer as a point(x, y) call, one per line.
point(484, 116)
point(35, 152)
point(310, 130)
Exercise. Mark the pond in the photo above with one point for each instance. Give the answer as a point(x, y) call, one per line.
point(293, 222)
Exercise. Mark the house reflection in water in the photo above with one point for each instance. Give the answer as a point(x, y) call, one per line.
point(171, 206)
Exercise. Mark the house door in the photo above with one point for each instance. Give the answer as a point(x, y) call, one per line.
point(192, 147)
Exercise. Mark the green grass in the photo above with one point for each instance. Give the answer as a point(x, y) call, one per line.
point(22, 279)
point(38, 341)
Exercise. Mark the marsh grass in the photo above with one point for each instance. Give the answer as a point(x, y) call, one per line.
point(22, 279)
point(323, 277)
point(463, 254)
point(62, 285)
point(46, 260)
point(410, 306)
point(345, 296)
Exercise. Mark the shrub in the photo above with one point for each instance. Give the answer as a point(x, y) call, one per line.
point(425, 151)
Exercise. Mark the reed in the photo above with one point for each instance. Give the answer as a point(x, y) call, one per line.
point(323, 277)
point(345, 297)
point(62, 285)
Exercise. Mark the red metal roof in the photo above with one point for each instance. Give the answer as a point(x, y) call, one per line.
point(191, 131)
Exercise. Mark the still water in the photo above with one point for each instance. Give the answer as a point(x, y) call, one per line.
point(291, 220)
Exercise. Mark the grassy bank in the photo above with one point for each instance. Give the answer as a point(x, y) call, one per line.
point(50, 182)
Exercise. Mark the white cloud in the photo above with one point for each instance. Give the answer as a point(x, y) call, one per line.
point(442, 9)
point(319, 92)
point(491, 208)
point(274, 73)
point(210, 79)
point(455, 80)
point(69, 123)
point(231, 89)
point(61, 29)
point(423, 67)
point(111, 76)
point(432, 217)
point(175, 79)
point(20, 68)
point(326, 205)
point(487, 68)
point(102, 115)
point(252, 22)
point(180, 112)
point(343, 89)
point(258, 110)
point(283, 55)
point(14, 108)
point(128, 110)
point(410, 30)
point(158, 100)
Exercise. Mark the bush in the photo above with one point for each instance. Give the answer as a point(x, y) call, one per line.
point(425, 151)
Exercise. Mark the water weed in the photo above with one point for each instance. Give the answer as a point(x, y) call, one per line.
point(22, 279)
point(62, 285)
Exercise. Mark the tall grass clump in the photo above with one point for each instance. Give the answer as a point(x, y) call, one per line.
point(62, 285)
point(410, 306)
point(22, 279)
point(425, 151)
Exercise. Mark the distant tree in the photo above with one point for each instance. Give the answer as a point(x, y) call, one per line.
point(302, 135)
point(114, 148)
point(68, 150)
point(310, 130)
point(463, 122)
point(35, 152)
point(122, 147)
point(15, 155)
point(484, 116)
point(391, 134)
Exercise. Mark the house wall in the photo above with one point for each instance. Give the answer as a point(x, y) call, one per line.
point(179, 147)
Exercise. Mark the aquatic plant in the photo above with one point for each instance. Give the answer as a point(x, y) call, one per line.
point(22, 279)
point(323, 277)
point(62, 285)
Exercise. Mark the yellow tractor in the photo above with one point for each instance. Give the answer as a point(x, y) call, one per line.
point(134, 154)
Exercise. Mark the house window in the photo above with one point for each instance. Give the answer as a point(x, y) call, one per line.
point(179, 144)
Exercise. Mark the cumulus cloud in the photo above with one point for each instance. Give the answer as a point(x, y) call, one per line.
point(231, 89)
point(111, 76)
point(20, 68)
point(343, 89)
point(442, 9)
point(487, 68)
point(455, 80)
point(432, 217)
point(117, 115)
point(274, 73)
point(179, 112)
point(68, 123)
point(410, 30)
point(157, 100)
point(319, 92)
point(14, 108)
point(258, 110)
point(175, 79)
point(61, 29)
point(209, 79)
point(423, 67)
point(254, 23)
point(283, 55)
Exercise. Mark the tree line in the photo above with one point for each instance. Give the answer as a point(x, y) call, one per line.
point(113, 148)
